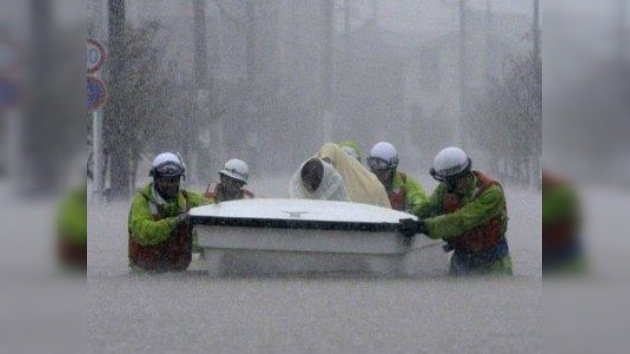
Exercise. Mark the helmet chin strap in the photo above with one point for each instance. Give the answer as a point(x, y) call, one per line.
point(392, 174)
point(452, 183)
point(164, 195)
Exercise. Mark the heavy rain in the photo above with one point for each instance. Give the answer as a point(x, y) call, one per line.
point(273, 83)
point(270, 82)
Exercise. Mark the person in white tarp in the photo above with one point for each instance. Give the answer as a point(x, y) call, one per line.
point(316, 179)
point(361, 185)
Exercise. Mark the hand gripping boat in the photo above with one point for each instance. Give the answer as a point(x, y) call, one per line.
point(277, 236)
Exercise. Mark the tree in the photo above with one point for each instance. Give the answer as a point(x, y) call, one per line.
point(154, 110)
point(507, 120)
point(116, 123)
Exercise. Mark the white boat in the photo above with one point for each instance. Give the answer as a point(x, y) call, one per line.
point(298, 236)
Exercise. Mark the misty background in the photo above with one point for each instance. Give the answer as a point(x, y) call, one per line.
point(271, 81)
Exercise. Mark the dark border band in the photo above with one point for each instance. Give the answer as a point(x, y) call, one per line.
point(294, 224)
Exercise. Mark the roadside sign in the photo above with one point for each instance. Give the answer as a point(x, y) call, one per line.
point(9, 56)
point(96, 94)
point(10, 93)
point(95, 56)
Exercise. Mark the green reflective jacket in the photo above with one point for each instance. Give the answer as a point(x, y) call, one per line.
point(414, 193)
point(72, 217)
point(559, 204)
point(560, 207)
point(475, 212)
point(142, 225)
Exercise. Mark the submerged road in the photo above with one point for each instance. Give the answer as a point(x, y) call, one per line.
point(190, 313)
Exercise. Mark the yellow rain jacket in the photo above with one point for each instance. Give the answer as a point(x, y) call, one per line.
point(362, 185)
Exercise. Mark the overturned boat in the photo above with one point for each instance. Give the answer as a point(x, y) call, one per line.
point(302, 236)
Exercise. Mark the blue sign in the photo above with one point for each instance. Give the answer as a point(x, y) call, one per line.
point(95, 56)
point(10, 93)
point(96, 94)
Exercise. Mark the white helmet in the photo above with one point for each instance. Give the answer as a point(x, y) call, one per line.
point(450, 162)
point(236, 169)
point(168, 164)
point(383, 156)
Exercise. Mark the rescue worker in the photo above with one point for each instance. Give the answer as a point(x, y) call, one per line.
point(233, 176)
point(72, 231)
point(160, 237)
point(316, 179)
point(561, 246)
point(468, 211)
point(404, 192)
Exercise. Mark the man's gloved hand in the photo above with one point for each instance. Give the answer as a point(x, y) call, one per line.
point(408, 227)
point(421, 227)
point(183, 217)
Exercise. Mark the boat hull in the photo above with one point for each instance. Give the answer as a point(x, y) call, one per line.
point(306, 237)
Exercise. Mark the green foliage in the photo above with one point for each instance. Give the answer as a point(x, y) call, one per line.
point(154, 108)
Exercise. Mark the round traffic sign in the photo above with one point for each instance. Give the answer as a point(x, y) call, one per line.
point(11, 93)
point(96, 94)
point(95, 56)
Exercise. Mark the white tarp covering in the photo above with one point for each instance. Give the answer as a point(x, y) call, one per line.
point(331, 187)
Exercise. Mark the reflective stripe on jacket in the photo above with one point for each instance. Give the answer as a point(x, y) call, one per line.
point(157, 241)
point(172, 254)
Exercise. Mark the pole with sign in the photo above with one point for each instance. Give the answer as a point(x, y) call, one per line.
point(95, 56)
point(96, 99)
point(96, 94)
point(97, 126)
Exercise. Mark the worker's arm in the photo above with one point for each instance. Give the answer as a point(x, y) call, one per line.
point(431, 206)
point(143, 228)
point(486, 207)
point(196, 199)
point(415, 194)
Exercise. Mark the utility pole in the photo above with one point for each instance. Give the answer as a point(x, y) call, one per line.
point(201, 91)
point(250, 55)
point(327, 69)
point(622, 12)
point(116, 122)
point(459, 128)
point(200, 60)
point(375, 12)
point(488, 36)
point(536, 31)
point(250, 89)
point(42, 174)
point(535, 171)
point(346, 16)
point(346, 29)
